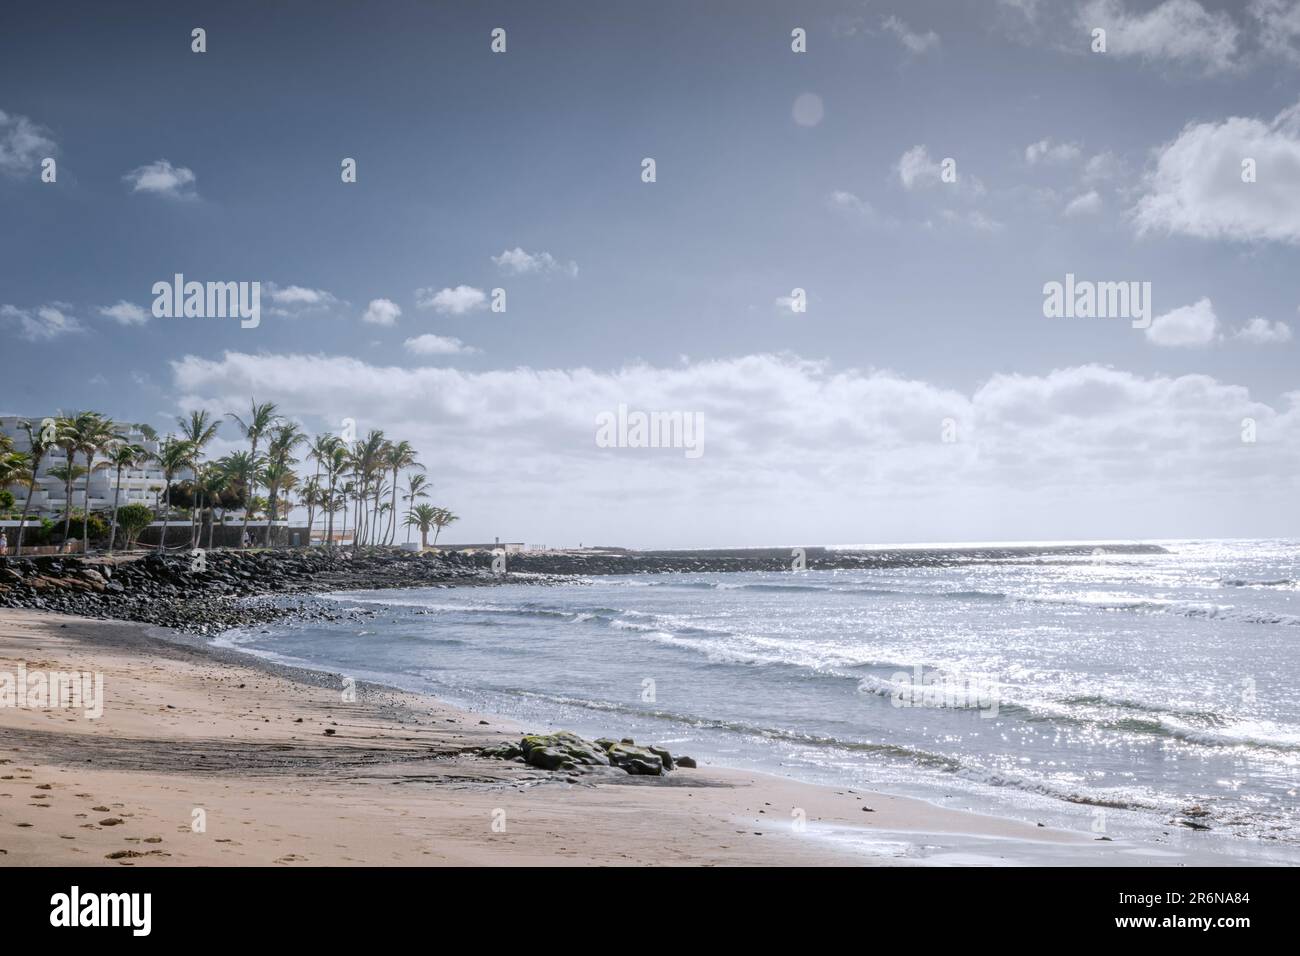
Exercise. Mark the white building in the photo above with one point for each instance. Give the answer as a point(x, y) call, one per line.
point(140, 485)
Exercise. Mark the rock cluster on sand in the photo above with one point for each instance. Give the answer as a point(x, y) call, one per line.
point(565, 750)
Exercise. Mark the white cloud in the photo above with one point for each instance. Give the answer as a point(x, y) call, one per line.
point(298, 295)
point(125, 313)
point(855, 208)
point(1103, 168)
point(1279, 27)
point(1191, 326)
point(1085, 204)
point(1046, 151)
point(916, 168)
point(455, 301)
point(42, 324)
point(518, 262)
point(916, 43)
point(382, 312)
point(1260, 331)
point(1196, 186)
point(831, 445)
point(162, 179)
point(839, 199)
point(294, 300)
point(23, 144)
point(1176, 31)
point(972, 219)
point(437, 345)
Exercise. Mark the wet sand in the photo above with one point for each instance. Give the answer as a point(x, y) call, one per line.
point(203, 759)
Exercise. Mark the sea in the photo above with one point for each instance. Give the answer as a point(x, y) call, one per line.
point(1150, 699)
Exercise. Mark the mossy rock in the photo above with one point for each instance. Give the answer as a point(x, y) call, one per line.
point(502, 752)
point(574, 748)
point(664, 756)
point(548, 758)
point(636, 760)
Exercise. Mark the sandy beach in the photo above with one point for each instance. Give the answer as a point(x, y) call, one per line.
point(199, 760)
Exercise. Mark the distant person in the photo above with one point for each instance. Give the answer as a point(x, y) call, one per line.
point(4, 544)
point(245, 541)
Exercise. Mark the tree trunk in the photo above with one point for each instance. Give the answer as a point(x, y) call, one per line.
point(67, 501)
point(271, 492)
point(392, 518)
point(167, 503)
point(117, 493)
point(329, 517)
point(85, 511)
point(27, 506)
point(249, 488)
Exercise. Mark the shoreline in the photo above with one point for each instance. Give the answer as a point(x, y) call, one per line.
point(252, 751)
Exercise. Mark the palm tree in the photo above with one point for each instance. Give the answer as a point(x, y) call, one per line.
point(13, 469)
point(39, 444)
point(65, 437)
point(14, 466)
point(441, 518)
point(277, 477)
point(397, 457)
point(240, 468)
point(311, 497)
point(415, 485)
point(120, 456)
point(260, 419)
point(367, 456)
point(423, 517)
point(95, 433)
point(173, 455)
point(345, 494)
point(215, 481)
point(285, 437)
point(335, 463)
point(322, 447)
point(199, 430)
point(68, 474)
point(379, 508)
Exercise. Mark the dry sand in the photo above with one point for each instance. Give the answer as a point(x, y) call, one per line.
point(185, 734)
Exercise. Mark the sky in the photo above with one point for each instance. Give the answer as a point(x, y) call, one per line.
point(921, 171)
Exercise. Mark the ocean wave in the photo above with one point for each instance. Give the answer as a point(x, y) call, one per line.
point(1246, 583)
point(698, 722)
point(1192, 609)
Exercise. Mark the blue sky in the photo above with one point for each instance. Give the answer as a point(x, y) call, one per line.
point(925, 297)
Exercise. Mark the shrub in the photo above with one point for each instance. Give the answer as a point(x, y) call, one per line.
point(132, 519)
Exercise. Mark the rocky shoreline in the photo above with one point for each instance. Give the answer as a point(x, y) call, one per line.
point(225, 589)
point(220, 589)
